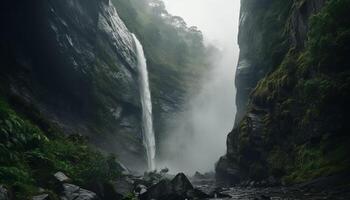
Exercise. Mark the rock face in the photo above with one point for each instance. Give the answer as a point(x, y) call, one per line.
point(290, 96)
point(73, 192)
point(74, 61)
point(179, 188)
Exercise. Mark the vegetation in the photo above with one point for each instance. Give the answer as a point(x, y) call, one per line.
point(302, 102)
point(29, 157)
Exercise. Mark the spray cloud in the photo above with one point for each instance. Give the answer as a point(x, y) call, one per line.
point(197, 137)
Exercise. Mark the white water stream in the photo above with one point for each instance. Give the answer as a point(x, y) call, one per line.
point(146, 101)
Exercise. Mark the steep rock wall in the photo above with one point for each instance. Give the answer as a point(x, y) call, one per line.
point(292, 88)
point(74, 62)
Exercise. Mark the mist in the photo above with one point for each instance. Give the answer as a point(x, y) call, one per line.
point(197, 136)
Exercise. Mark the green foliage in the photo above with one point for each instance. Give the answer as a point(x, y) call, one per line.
point(83, 164)
point(130, 196)
point(28, 158)
point(316, 161)
point(304, 98)
point(329, 36)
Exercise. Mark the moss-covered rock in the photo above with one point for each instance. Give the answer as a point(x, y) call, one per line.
point(29, 157)
point(74, 63)
point(292, 115)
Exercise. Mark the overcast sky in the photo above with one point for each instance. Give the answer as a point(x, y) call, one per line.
point(211, 110)
point(217, 19)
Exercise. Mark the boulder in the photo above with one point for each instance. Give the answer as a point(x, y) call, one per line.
point(196, 194)
point(123, 186)
point(41, 197)
point(181, 184)
point(161, 190)
point(179, 188)
point(61, 177)
point(4, 193)
point(140, 189)
point(73, 192)
point(198, 175)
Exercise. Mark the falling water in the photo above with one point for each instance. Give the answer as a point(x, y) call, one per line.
point(147, 129)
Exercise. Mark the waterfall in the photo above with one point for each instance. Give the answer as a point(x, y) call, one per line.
point(146, 102)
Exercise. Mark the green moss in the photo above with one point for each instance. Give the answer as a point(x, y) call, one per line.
point(316, 161)
point(304, 98)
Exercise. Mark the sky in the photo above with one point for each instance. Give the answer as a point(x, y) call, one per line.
point(211, 111)
point(217, 19)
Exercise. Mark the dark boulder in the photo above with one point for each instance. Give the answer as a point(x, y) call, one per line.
point(198, 175)
point(161, 190)
point(196, 194)
point(121, 187)
point(179, 188)
point(181, 184)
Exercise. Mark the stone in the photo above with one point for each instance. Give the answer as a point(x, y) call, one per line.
point(41, 197)
point(123, 186)
point(197, 194)
point(61, 177)
point(198, 175)
point(140, 189)
point(181, 184)
point(252, 183)
point(264, 197)
point(161, 190)
point(4, 193)
point(179, 188)
point(73, 192)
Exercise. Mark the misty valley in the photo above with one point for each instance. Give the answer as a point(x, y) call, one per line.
point(175, 100)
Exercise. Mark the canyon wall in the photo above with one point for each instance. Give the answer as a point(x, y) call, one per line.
point(292, 92)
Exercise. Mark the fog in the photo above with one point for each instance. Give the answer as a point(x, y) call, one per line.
point(198, 135)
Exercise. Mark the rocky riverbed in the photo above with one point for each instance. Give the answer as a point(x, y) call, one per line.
point(283, 193)
point(161, 186)
point(203, 186)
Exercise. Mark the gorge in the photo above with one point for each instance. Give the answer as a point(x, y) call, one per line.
point(110, 99)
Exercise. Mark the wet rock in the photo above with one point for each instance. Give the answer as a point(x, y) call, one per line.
point(61, 177)
point(73, 192)
point(216, 194)
point(198, 175)
point(41, 197)
point(272, 181)
point(252, 183)
point(161, 190)
point(4, 193)
point(140, 189)
point(177, 189)
point(263, 197)
point(227, 172)
point(123, 186)
point(196, 194)
point(181, 184)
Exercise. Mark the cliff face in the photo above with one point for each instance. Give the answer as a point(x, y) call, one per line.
point(176, 60)
point(293, 84)
point(74, 62)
